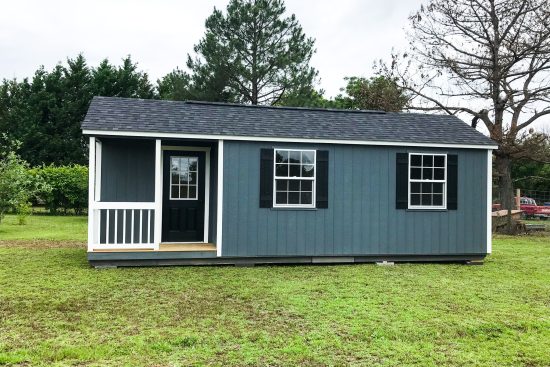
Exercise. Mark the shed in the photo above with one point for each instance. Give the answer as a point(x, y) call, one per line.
point(215, 183)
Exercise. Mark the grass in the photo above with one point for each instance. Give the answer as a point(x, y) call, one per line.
point(45, 227)
point(57, 311)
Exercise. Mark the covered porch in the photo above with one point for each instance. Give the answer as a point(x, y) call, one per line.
point(154, 196)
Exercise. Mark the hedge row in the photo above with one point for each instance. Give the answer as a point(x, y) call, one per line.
point(67, 187)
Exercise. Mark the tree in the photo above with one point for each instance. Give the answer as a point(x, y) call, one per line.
point(487, 59)
point(376, 93)
point(175, 86)
point(45, 113)
point(17, 185)
point(122, 81)
point(252, 54)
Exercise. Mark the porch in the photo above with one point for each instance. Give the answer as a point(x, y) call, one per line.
point(154, 196)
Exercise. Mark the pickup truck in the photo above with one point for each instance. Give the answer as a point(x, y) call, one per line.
point(532, 210)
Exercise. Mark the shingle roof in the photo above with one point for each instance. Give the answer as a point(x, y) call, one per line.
point(206, 118)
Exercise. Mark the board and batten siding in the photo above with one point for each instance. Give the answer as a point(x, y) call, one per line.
point(361, 218)
point(128, 170)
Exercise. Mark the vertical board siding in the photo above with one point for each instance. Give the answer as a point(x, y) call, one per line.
point(361, 218)
point(128, 170)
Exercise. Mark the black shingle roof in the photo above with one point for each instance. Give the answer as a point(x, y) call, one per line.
point(203, 118)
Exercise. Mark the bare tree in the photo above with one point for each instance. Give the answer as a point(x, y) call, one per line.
point(486, 58)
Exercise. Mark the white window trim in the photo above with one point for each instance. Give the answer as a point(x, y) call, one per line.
point(312, 179)
point(409, 181)
point(197, 184)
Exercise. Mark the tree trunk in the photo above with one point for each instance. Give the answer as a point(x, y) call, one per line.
point(503, 165)
point(506, 191)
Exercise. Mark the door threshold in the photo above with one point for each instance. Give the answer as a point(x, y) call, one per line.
point(201, 246)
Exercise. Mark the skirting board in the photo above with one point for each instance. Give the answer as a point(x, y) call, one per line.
point(318, 260)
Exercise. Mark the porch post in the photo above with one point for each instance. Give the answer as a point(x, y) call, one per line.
point(158, 194)
point(219, 209)
point(489, 200)
point(91, 193)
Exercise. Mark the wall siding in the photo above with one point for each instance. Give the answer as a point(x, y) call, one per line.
point(361, 218)
point(128, 170)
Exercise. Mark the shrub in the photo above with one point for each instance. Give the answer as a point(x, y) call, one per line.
point(69, 187)
point(18, 185)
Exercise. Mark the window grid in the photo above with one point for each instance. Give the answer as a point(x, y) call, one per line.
point(294, 178)
point(184, 176)
point(427, 181)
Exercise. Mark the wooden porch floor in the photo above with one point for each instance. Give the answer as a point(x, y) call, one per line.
point(173, 247)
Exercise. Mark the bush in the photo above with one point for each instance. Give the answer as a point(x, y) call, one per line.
point(18, 186)
point(69, 187)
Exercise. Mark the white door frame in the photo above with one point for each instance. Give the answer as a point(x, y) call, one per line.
point(206, 185)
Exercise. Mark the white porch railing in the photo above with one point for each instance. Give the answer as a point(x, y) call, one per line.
point(123, 225)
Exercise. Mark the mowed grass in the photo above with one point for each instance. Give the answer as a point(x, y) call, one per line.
point(45, 227)
point(57, 311)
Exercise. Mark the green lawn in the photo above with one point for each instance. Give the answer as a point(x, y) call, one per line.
point(57, 311)
point(45, 227)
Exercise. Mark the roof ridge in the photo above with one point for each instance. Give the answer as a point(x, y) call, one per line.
point(240, 105)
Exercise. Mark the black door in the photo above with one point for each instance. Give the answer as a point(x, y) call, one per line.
point(183, 196)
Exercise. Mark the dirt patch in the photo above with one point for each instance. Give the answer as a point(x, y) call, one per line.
point(41, 244)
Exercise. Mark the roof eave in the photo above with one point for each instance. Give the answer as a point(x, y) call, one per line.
point(158, 135)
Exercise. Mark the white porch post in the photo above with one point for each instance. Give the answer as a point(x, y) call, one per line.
point(91, 193)
point(219, 214)
point(158, 194)
point(489, 200)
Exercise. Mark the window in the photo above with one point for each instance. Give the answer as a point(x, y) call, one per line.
point(427, 181)
point(294, 176)
point(184, 178)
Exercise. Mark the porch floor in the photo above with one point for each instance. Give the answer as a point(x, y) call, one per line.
point(169, 247)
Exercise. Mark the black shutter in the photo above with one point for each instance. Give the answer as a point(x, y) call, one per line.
point(452, 181)
point(401, 180)
point(266, 178)
point(321, 186)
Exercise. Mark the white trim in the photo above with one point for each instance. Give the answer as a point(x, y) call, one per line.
point(312, 179)
point(157, 235)
point(91, 192)
point(98, 154)
point(186, 149)
point(206, 185)
point(283, 140)
point(120, 205)
point(489, 200)
point(206, 194)
point(409, 181)
point(219, 214)
point(111, 246)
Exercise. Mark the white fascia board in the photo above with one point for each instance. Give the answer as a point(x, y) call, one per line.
point(280, 139)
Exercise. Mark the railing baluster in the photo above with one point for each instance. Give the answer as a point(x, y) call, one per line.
point(140, 226)
point(133, 225)
point(98, 226)
point(107, 229)
point(124, 227)
point(116, 226)
point(149, 226)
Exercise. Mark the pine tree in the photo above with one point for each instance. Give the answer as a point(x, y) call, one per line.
point(252, 54)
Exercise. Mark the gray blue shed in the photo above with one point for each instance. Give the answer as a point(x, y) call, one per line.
point(212, 183)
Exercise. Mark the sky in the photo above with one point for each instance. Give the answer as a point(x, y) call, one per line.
point(350, 34)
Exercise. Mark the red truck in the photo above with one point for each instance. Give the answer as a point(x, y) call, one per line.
point(532, 210)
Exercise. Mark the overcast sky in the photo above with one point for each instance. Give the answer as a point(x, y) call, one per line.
point(350, 34)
